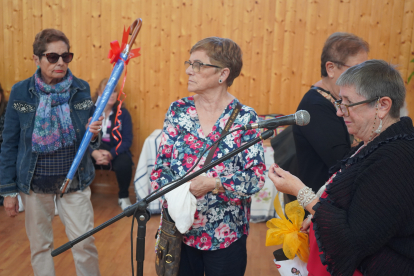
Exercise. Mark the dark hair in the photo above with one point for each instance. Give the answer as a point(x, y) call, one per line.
point(338, 47)
point(376, 78)
point(3, 102)
point(45, 37)
point(222, 52)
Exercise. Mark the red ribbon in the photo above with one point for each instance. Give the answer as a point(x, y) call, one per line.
point(115, 130)
point(115, 55)
point(116, 50)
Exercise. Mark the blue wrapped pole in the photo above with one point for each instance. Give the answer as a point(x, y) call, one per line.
point(109, 88)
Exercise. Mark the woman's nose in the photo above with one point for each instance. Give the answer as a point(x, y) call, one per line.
point(189, 70)
point(60, 61)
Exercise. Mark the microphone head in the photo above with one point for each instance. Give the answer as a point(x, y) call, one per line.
point(302, 118)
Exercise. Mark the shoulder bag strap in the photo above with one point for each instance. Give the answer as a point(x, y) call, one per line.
point(224, 132)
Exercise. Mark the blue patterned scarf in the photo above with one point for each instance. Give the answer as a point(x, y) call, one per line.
point(53, 127)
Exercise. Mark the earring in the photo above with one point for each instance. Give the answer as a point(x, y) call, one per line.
point(220, 81)
point(375, 119)
point(38, 66)
point(378, 131)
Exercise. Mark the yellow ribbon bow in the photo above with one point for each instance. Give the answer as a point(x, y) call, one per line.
point(287, 231)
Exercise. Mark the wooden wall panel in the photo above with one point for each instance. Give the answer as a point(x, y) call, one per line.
point(281, 42)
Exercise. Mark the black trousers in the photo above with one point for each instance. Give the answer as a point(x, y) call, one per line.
point(122, 166)
point(230, 261)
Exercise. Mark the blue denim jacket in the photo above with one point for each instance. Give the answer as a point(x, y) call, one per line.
point(17, 161)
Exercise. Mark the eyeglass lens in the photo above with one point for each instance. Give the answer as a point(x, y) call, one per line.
point(344, 109)
point(196, 66)
point(53, 57)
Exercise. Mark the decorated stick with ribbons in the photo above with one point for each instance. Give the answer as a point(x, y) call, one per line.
point(120, 56)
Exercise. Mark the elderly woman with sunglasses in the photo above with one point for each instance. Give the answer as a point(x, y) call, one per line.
point(46, 118)
point(363, 216)
point(215, 244)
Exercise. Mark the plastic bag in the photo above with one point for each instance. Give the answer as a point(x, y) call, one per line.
point(289, 267)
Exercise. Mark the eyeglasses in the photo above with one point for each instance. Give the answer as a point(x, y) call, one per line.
point(197, 65)
point(53, 57)
point(345, 107)
point(341, 63)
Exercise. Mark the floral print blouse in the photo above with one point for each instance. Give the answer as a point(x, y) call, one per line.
point(223, 218)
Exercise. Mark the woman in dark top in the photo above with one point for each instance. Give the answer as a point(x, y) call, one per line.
point(363, 217)
point(325, 140)
point(108, 156)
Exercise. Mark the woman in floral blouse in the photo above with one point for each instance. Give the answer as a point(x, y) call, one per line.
point(216, 242)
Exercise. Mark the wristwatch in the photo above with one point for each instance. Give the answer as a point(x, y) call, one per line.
point(218, 183)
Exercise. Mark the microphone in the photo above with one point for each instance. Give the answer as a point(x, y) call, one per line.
point(300, 118)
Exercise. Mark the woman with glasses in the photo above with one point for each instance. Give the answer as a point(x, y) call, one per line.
point(363, 216)
point(215, 244)
point(46, 118)
point(325, 140)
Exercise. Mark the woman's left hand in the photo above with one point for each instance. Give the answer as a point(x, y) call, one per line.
point(95, 127)
point(284, 181)
point(201, 185)
point(306, 224)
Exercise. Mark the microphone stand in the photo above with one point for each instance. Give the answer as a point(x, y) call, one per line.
point(142, 215)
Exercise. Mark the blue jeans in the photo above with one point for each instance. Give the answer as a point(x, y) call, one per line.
point(230, 261)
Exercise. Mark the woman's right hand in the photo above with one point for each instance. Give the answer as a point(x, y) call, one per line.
point(11, 206)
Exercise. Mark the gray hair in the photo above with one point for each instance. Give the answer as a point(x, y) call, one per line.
point(376, 78)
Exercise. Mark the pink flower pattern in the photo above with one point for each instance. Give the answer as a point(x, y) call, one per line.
point(181, 145)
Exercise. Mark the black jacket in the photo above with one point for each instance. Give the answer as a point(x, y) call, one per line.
point(367, 219)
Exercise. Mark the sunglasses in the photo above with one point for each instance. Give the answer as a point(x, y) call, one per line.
point(53, 57)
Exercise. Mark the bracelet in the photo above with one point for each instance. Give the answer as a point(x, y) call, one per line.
point(218, 183)
point(305, 196)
